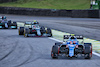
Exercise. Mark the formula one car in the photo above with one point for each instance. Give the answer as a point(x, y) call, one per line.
point(33, 29)
point(73, 47)
point(4, 24)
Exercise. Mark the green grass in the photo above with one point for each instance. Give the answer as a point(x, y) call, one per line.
point(50, 4)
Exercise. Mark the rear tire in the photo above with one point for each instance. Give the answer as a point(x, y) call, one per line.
point(54, 52)
point(88, 50)
point(53, 56)
point(21, 30)
point(88, 56)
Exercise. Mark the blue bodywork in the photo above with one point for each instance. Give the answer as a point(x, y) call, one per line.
point(72, 45)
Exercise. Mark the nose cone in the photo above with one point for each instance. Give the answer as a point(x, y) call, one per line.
point(38, 32)
point(71, 51)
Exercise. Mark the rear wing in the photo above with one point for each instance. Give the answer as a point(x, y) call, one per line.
point(77, 36)
point(28, 23)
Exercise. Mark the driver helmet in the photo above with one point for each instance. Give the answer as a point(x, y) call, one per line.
point(73, 37)
point(35, 22)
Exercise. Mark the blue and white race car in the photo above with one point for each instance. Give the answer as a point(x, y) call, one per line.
point(72, 47)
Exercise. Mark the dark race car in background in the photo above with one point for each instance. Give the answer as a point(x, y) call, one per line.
point(72, 47)
point(7, 24)
point(34, 29)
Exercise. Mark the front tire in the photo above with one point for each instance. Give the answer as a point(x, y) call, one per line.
point(49, 32)
point(54, 52)
point(26, 32)
point(53, 55)
point(21, 30)
point(42, 29)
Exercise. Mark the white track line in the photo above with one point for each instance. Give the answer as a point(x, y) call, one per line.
point(54, 39)
point(96, 54)
point(61, 41)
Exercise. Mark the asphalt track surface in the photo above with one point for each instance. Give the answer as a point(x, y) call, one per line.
point(17, 51)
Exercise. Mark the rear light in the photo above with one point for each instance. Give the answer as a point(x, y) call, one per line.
point(76, 46)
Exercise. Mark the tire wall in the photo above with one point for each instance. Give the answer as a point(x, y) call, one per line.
point(51, 12)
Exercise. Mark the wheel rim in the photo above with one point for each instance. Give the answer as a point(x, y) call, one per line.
point(91, 54)
point(19, 32)
point(24, 34)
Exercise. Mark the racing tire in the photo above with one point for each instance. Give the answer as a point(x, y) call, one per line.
point(54, 52)
point(87, 56)
point(21, 30)
point(49, 32)
point(53, 56)
point(55, 49)
point(3, 25)
point(88, 50)
point(26, 32)
point(42, 29)
point(15, 24)
point(9, 23)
